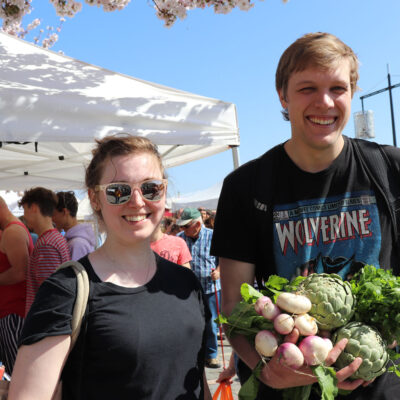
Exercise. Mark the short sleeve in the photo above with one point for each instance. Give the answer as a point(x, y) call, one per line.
point(234, 233)
point(51, 311)
point(184, 255)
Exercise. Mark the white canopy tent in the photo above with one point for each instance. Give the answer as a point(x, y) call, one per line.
point(52, 107)
point(207, 198)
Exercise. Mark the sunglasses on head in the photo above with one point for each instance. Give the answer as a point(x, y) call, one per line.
point(118, 193)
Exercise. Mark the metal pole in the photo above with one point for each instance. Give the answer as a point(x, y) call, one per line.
point(391, 108)
point(235, 156)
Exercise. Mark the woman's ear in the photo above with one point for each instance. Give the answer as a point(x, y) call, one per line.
point(94, 201)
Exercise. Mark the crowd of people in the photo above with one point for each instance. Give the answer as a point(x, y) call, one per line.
point(156, 279)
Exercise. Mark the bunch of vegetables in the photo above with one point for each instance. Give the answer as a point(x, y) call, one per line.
point(321, 305)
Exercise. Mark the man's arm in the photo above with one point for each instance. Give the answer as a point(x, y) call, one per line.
point(15, 245)
point(274, 374)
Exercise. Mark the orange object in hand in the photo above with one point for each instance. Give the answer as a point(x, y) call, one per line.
point(2, 370)
point(223, 392)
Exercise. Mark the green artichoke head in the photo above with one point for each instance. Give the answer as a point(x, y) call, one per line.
point(332, 299)
point(365, 342)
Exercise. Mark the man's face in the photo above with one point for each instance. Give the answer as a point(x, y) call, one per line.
point(59, 219)
point(319, 106)
point(29, 214)
point(203, 214)
point(192, 229)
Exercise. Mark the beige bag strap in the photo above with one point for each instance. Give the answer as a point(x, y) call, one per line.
point(82, 296)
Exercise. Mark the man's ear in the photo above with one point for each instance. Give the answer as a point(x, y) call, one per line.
point(282, 98)
point(34, 207)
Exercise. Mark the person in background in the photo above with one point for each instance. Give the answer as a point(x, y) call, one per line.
point(172, 248)
point(313, 177)
point(144, 336)
point(209, 222)
point(15, 248)
point(34, 236)
point(205, 266)
point(51, 249)
point(80, 236)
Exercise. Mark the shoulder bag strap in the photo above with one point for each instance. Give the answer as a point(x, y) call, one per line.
point(82, 295)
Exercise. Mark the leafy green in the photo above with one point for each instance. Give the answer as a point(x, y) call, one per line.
point(377, 294)
point(244, 321)
point(249, 389)
point(249, 294)
point(327, 381)
point(297, 393)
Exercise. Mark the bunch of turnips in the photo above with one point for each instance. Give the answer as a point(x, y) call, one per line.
point(324, 309)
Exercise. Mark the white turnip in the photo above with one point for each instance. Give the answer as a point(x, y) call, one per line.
point(290, 355)
point(260, 304)
point(266, 343)
point(294, 303)
point(306, 325)
point(315, 349)
point(284, 324)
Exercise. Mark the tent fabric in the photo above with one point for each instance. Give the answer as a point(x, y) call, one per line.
point(52, 107)
point(207, 198)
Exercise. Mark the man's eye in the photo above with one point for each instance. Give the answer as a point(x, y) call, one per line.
point(339, 89)
point(307, 89)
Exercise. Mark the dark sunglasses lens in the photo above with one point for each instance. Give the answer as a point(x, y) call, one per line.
point(152, 190)
point(118, 193)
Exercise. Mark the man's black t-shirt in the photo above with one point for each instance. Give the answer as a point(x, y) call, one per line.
point(140, 343)
point(288, 222)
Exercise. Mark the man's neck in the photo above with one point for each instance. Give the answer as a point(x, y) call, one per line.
point(42, 225)
point(313, 160)
point(70, 224)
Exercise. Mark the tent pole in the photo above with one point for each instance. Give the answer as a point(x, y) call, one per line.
point(235, 156)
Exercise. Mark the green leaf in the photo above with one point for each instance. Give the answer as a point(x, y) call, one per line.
point(249, 389)
point(327, 381)
point(249, 294)
point(297, 393)
point(276, 282)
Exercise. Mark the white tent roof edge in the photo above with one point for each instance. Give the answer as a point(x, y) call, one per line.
point(54, 106)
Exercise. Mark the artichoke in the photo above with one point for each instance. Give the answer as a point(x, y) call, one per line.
point(332, 299)
point(365, 342)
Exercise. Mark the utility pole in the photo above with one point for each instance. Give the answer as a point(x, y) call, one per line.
point(389, 88)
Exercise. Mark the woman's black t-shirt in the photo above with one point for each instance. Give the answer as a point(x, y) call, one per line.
point(137, 343)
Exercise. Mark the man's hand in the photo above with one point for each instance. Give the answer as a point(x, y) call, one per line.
point(279, 376)
point(215, 274)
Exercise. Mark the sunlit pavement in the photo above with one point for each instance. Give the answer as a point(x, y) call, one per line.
point(213, 373)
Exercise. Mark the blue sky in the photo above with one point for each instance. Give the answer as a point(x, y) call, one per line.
point(233, 58)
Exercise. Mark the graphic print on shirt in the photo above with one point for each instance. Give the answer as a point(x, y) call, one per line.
point(338, 234)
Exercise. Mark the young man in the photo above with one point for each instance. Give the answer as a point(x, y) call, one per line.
point(15, 247)
point(311, 206)
point(206, 268)
point(51, 248)
point(80, 237)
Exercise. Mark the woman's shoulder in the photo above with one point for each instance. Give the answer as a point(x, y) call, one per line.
point(172, 269)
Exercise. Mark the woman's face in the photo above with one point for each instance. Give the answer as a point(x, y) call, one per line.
point(135, 220)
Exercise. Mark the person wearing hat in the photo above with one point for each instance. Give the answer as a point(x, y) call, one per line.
point(206, 268)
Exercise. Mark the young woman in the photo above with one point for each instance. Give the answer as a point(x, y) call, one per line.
point(143, 335)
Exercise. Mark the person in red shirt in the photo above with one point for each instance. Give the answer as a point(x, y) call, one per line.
point(170, 247)
point(15, 247)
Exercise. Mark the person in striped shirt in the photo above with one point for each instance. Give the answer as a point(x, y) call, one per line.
point(51, 249)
